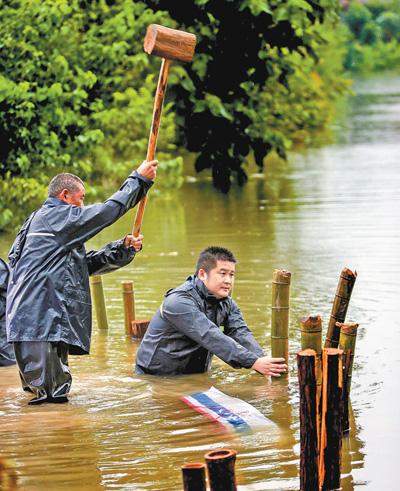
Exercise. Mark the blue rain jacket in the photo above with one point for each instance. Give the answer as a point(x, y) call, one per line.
point(48, 297)
point(185, 333)
point(7, 356)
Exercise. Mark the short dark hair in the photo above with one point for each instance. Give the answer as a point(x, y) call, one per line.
point(209, 257)
point(64, 181)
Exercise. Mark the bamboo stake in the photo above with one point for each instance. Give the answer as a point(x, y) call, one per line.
point(311, 333)
point(340, 306)
point(194, 477)
point(331, 419)
point(347, 342)
point(280, 314)
point(311, 338)
point(96, 287)
point(309, 420)
point(221, 470)
point(128, 294)
point(139, 328)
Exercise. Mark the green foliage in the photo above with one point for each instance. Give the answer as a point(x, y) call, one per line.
point(244, 49)
point(389, 22)
point(76, 90)
point(374, 40)
point(19, 196)
point(357, 16)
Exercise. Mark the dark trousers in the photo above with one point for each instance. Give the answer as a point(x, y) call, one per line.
point(44, 370)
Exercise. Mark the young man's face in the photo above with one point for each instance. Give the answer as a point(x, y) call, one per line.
point(219, 280)
point(75, 198)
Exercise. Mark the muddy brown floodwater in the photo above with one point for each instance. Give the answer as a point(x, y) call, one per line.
point(328, 208)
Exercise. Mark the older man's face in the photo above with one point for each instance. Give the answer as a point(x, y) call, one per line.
point(75, 198)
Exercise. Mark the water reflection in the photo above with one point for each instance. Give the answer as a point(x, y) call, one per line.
point(327, 208)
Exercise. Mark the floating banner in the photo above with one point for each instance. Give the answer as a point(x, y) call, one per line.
point(234, 414)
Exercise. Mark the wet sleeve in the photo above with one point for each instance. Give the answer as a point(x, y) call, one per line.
point(82, 223)
point(182, 312)
point(111, 257)
point(236, 328)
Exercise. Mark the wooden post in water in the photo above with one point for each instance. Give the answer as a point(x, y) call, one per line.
point(309, 420)
point(96, 287)
point(340, 306)
point(221, 470)
point(347, 342)
point(139, 328)
point(331, 419)
point(311, 338)
point(128, 295)
point(311, 333)
point(280, 314)
point(194, 477)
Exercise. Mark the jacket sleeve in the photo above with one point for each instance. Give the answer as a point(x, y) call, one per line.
point(236, 328)
point(80, 224)
point(111, 257)
point(182, 312)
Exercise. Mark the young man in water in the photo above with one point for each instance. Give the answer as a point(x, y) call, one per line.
point(185, 332)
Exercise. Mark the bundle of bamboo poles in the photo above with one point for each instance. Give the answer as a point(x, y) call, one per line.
point(320, 422)
point(324, 382)
point(220, 469)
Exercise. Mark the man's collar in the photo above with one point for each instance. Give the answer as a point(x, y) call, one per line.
point(204, 292)
point(52, 200)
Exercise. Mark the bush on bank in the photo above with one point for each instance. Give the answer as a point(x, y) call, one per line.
point(373, 35)
point(76, 89)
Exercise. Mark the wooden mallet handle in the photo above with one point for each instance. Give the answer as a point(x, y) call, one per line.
point(155, 124)
point(170, 44)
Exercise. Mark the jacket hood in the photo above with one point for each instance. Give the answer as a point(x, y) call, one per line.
point(4, 274)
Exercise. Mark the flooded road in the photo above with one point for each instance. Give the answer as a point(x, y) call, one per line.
point(327, 208)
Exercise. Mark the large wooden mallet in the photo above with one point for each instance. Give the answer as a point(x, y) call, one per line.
point(169, 44)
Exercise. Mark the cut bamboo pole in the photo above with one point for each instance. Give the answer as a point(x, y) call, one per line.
point(311, 333)
point(221, 470)
point(347, 342)
point(280, 314)
point(139, 328)
point(128, 294)
point(309, 420)
point(96, 288)
point(331, 419)
point(311, 338)
point(194, 477)
point(340, 306)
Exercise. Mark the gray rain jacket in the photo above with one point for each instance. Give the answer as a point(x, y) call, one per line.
point(7, 356)
point(185, 333)
point(48, 297)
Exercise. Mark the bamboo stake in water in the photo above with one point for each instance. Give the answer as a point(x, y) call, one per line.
point(311, 333)
point(309, 420)
point(347, 342)
point(194, 477)
point(128, 294)
point(340, 306)
point(280, 314)
point(96, 287)
point(221, 470)
point(331, 419)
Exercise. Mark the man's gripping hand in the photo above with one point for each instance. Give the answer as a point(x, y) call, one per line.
point(148, 169)
point(135, 242)
point(270, 366)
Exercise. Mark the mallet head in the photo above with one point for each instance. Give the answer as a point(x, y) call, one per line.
point(169, 43)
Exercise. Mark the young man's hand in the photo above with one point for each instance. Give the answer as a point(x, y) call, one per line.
point(135, 242)
point(148, 169)
point(270, 366)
